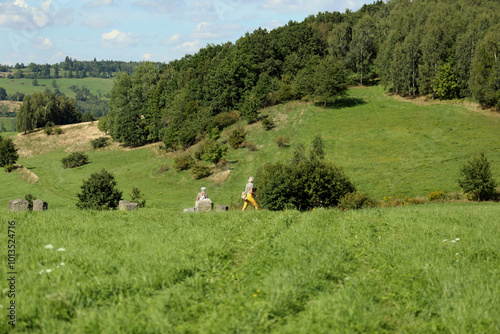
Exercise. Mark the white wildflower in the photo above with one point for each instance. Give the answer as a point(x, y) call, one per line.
point(61, 249)
point(453, 241)
point(456, 254)
point(457, 239)
point(62, 263)
point(445, 240)
point(48, 270)
point(41, 272)
point(49, 246)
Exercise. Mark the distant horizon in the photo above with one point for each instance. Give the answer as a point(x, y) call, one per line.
point(139, 30)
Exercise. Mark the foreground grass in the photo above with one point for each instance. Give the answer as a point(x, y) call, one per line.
point(430, 268)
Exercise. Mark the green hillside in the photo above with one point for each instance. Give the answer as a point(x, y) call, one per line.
point(388, 147)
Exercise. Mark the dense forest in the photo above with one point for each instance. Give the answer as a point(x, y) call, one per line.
point(442, 48)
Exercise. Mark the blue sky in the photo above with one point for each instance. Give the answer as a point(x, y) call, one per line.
point(135, 30)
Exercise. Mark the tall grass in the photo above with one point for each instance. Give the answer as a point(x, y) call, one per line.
point(430, 268)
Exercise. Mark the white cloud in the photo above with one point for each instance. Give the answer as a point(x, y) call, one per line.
point(189, 47)
point(20, 15)
point(174, 39)
point(98, 3)
point(116, 38)
point(147, 56)
point(207, 30)
point(43, 43)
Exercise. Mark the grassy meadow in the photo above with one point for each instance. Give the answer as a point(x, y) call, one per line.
point(431, 268)
point(413, 269)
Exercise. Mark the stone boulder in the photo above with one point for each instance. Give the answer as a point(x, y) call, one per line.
point(204, 205)
point(220, 208)
point(127, 206)
point(39, 205)
point(19, 205)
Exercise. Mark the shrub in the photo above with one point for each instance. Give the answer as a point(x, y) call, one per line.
point(58, 131)
point(162, 169)
point(9, 168)
point(225, 119)
point(302, 183)
point(136, 197)
point(214, 153)
point(236, 138)
point(99, 192)
point(48, 131)
point(354, 200)
point(199, 171)
point(183, 162)
point(30, 198)
point(8, 152)
point(75, 159)
point(100, 142)
point(250, 145)
point(477, 181)
point(267, 124)
point(436, 195)
point(282, 141)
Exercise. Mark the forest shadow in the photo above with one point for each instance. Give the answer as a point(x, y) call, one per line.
point(342, 102)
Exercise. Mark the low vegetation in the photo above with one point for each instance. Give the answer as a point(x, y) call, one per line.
point(411, 269)
point(99, 192)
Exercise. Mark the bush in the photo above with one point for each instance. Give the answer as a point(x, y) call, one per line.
point(199, 171)
point(282, 141)
point(48, 131)
point(99, 192)
point(214, 153)
point(354, 201)
point(9, 168)
point(183, 162)
point(477, 181)
point(250, 145)
point(8, 152)
point(162, 169)
point(236, 138)
point(75, 159)
point(100, 142)
point(225, 119)
point(136, 197)
point(436, 196)
point(58, 131)
point(302, 183)
point(30, 198)
point(267, 124)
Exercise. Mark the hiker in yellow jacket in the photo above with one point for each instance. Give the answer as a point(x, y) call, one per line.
point(249, 192)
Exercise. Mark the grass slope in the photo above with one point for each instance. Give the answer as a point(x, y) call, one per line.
point(388, 147)
point(420, 269)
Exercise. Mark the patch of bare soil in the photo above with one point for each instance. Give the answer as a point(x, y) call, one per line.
point(75, 138)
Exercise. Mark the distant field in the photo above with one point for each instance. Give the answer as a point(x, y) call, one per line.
point(9, 123)
point(419, 269)
point(26, 85)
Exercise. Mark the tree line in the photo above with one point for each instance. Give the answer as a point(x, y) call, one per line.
point(69, 68)
point(448, 49)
